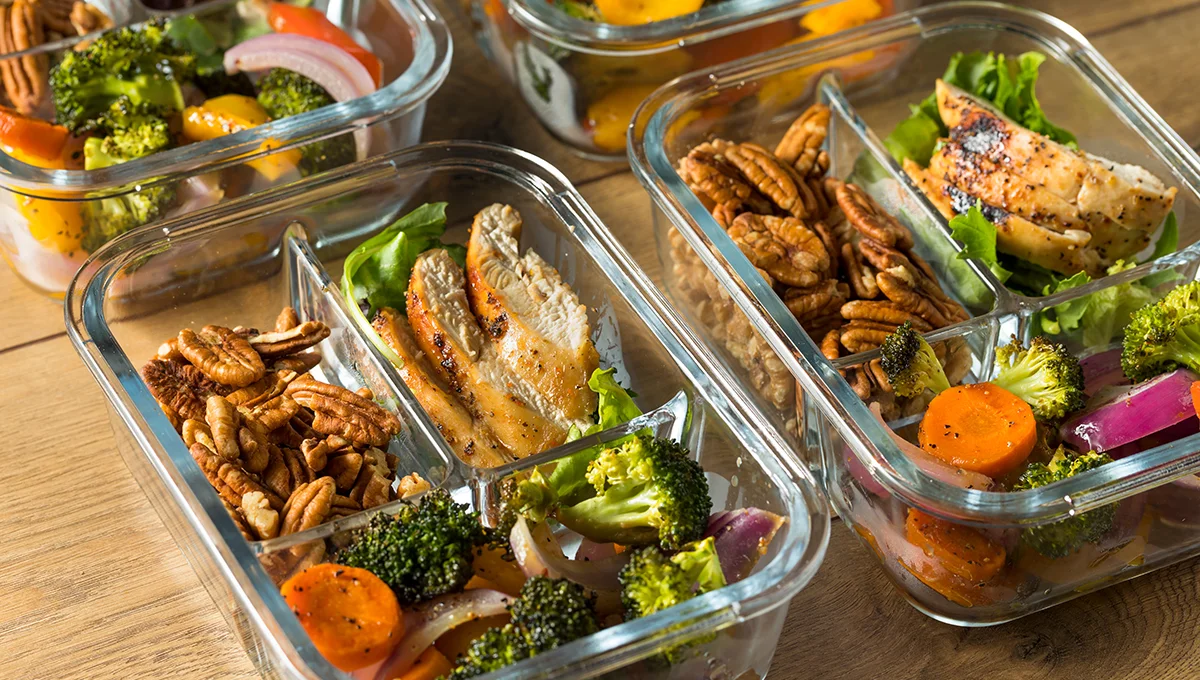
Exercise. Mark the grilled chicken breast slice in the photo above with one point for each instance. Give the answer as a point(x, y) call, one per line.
point(1063, 252)
point(1126, 194)
point(534, 319)
point(522, 419)
point(473, 442)
point(992, 183)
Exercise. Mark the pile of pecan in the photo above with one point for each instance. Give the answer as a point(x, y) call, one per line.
point(844, 267)
point(26, 24)
point(284, 451)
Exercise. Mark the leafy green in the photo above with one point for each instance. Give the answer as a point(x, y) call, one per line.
point(1008, 83)
point(615, 407)
point(377, 271)
point(978, 238)
point(1167, 243)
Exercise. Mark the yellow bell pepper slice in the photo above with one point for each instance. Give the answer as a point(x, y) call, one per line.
point(232, 113)
point(56, 224)
point(839, 17)
point(631, 12)
point(609, 115)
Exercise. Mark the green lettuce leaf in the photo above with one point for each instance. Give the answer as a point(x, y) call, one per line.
point(1167, 244)
point(978, 238)
point(1008, 83)
point(376, 273)
point(614, 407)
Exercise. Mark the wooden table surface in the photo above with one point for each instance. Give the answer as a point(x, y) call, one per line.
point(91, 586)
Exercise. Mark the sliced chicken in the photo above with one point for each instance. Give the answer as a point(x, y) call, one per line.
point(473, 442)
point(1060, 252)
point(523, 419)
point(1126, 194)
point(992, 183)
point(534, 319)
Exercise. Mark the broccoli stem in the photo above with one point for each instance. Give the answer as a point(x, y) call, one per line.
point(620, 515)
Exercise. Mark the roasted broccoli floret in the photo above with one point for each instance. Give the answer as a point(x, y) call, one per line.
point(139, 63)
point(654, 581)
point(910, 363)
point(549, 613)
point(1065, 537)
point(1164, 335)
point(642, 491)
point(108, 218)
point(1045, 375)
point(423, 551)
point(284, 93)
point(133, 131)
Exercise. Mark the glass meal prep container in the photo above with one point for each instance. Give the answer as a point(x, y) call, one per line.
point(410, 38)
point(747, 325)
point(119, 308)
point(583, 79)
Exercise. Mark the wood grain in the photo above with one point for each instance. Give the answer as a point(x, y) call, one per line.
point(93, 587)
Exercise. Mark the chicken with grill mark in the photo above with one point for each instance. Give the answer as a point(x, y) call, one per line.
point(1063, 209)
point(472, 441)
point(533, 319)
point(524, 420)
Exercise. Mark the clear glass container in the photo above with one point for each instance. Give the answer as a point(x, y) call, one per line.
point(583, 80)
point(148, 284)
point(410, 38)
point(782, 368)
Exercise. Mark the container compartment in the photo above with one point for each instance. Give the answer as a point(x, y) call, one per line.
point(583, 80)
point(136, 293)
point(833, 425)
point(410, 38)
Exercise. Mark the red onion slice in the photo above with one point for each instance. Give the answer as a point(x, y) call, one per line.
point(1139, 412)
point(426, 622)
point(331, 67)
point(539, 554)
point(1101, 370)
point(741, 537)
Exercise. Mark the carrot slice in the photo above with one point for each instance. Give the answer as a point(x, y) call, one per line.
point(351, 615)
point(431, 665)
point(959, 549)
point(980, 427)
point(1196, 396)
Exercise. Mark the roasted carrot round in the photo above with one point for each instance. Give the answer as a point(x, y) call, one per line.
point(351, 615)
point(431, 665)
point(980, 427)
point(1196, 396)
point(963, 565)
point(503, 574)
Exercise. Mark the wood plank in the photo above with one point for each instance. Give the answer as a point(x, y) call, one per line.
point(93, 584)
point(1104, 16)
point(851, 623)
point(28, 315)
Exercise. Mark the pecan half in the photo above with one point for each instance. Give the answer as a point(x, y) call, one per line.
point(287, 319)
point(259, 514)
point(801, 144)
point(859, 382)
point(343, 506)
point(717, 180)
point(239, 521)
point(224, 422)
point(787, 250)
point(308, 506)
point(865, 215)
point(295, 339)
point(179, 386)
point(262, 390)
point(773, 179)
point(371, 488)
point(859, 274)
point(300, 362)
point(832, 245)
point(197, 431)
point(725, 214)
point(807, 304)
point(339, 411)
point(222, 355)
point(275, 413)
point(169, 351)
point(411, 485)
point(860, 336)
point(831, 344)
point(344, 468)
point(25, 78)
point(900, 289)
point(86, 18)
point(883, 311)
point(277, 477)
point(317, 451)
